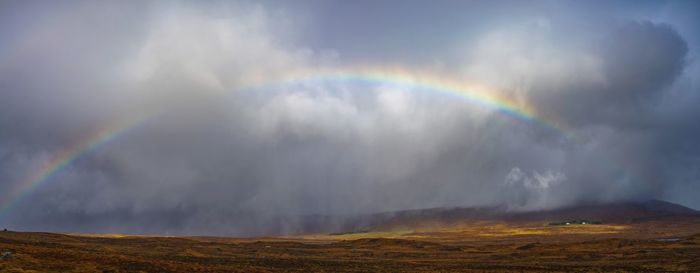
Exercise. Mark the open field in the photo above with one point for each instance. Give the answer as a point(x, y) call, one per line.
point(663, 245)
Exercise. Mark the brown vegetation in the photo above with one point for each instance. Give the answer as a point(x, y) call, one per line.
point(477, 246)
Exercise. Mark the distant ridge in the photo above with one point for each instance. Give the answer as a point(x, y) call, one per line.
point(617, 212)
point(614, 212)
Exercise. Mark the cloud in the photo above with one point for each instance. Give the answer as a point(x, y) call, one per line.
point(639, 60)
point(234, 150)
point(532, 191)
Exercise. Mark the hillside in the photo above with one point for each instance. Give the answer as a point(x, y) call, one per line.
point(632, 237)
point(616, 213)
point(467, 247)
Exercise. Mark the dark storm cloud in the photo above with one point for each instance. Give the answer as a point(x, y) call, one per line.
point(220, 157)
point(638, 61)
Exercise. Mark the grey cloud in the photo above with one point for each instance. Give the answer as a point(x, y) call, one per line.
point(221, 157)
point(639, 60)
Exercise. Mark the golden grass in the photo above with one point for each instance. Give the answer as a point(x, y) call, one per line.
point(467, 247)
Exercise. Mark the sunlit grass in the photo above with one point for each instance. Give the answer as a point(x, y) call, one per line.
point(474, 230)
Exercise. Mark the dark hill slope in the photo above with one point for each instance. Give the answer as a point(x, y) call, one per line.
point(618, 212)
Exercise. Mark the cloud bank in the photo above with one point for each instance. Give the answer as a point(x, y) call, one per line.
point(230, 151)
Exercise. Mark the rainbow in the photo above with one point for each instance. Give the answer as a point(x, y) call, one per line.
point(66, 157)
point(409, 81)
point(402, 79)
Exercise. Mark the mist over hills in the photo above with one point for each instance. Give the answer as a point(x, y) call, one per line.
point(243, 117)
point(608, 213)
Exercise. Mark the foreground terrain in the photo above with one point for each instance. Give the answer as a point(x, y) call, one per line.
point(648, 236)
point(670, 244)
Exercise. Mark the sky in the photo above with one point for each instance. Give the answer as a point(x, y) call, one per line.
point(244, 117)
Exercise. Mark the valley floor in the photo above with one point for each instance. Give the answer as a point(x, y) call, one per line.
point(669, 245)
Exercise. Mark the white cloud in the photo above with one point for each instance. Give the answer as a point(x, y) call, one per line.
point(535, 190)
